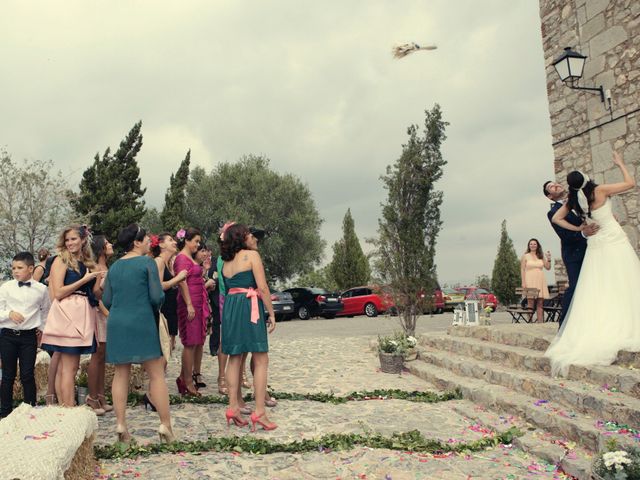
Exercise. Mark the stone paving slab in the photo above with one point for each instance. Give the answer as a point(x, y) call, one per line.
point(322, 364)
point(359, 463)
point(298, 420)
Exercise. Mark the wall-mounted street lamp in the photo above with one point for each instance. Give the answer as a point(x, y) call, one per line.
point(570, 66)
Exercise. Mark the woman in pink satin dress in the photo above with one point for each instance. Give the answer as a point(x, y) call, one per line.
point(193, 308)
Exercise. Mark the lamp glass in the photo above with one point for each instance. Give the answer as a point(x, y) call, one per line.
point(562, 67)
point(576, 66)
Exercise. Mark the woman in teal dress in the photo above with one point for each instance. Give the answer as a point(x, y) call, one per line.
point(133, 294)
point(244, 328)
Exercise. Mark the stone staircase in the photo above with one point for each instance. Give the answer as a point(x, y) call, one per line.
point(503, 368)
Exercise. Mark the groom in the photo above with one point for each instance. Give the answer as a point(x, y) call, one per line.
point(573, 244)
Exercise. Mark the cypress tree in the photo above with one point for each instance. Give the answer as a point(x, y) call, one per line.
point(506, 269)
point(110, 195)
point(410, 222)
point(349, 267)
point(173, 213)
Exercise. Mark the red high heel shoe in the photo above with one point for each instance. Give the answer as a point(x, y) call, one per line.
point(182, 388)
point(235, 416)
point(265, 426)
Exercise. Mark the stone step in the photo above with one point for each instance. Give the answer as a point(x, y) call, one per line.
point(610, 378)
point(573, 460)
point(573, 395)
point(578, 428)
point(533, 336)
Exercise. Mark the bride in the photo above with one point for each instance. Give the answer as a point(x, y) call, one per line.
point(603, 316)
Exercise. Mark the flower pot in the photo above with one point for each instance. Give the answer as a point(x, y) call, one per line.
point(391, 362)
point(411, 354)
point(81, 395)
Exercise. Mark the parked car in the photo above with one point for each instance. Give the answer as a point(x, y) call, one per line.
point(489, 298)
point(437, 301)
point(368, 300)
point(283, 305)
point(314, 302)
point(452, 297)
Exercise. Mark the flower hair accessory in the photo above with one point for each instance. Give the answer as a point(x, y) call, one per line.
point(181, 234)
point(155, 241)
point(224, 229)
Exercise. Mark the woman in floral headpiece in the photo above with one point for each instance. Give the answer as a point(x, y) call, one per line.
point(193, 308)
point(75, 290)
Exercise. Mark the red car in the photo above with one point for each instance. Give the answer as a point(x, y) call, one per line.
point(489, 298)
point(368, 300)
point(437, 300)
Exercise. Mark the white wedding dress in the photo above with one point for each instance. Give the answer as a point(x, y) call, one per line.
point(604, 315)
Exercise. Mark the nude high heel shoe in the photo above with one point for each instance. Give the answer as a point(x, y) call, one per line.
point(165, 434)
point(103, 403)
point(95, 406)
point(123, 434)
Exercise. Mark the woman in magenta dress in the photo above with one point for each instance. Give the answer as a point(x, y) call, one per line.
point(193, 308)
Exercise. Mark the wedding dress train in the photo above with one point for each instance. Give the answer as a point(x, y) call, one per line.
point(604, 315)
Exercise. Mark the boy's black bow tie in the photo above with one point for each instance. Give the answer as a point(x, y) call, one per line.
point(24, 284)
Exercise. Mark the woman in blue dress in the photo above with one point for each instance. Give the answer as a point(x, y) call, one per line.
point(71, 322)
point(133, 295)
point(244, 328)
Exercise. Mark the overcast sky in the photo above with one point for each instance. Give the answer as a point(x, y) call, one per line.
point(311, 85)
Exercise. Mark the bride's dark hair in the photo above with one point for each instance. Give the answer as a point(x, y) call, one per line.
point(575, 180)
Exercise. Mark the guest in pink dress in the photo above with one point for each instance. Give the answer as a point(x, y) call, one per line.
point(531, 265)
point(193, 308)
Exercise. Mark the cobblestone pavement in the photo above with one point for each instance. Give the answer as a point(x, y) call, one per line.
point(324, 362)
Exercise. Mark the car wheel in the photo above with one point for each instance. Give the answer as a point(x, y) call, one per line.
point(370, 310)
point(303, 313)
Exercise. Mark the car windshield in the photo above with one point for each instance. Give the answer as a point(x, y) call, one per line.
point(482, 291)
point(318, 291)
point(451, 291)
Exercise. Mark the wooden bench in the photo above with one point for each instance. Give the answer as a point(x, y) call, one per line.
point(519, 312)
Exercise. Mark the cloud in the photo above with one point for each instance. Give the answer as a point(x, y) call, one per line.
point(311, 85)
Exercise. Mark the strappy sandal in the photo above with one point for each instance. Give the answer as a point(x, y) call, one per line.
point(222, 386)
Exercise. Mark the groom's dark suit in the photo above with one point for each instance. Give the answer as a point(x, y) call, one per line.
point(573, 246)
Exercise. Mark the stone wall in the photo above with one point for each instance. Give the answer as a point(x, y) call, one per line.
point(584, 132)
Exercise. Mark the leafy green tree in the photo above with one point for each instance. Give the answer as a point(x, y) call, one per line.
point(410, 223)
point(173, 213)
point(151, 221)
point(483, 281)
point(110, 195)
point(320, 277)
point(349, 267)
point(250, 192)
point(506, 269)
point(33, 205)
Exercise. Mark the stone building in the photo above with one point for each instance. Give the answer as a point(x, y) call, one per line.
point(584, 131)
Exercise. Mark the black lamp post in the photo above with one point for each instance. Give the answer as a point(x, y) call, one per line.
point(569, 66)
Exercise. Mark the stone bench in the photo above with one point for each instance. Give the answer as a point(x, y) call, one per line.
point(48, 443)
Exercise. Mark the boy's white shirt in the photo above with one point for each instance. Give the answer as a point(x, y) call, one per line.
point(31, 302)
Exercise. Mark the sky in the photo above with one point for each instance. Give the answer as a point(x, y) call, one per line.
point(311, 85)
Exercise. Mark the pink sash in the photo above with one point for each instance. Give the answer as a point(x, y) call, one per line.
point(71, 322)
point(253, 295)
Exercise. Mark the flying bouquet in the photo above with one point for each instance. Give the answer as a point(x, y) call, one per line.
point(401, 51)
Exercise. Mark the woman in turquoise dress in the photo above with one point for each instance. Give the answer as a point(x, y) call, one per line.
point(244, 328)
point(133, 294)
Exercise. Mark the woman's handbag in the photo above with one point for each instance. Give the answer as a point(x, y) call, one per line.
point(165, 338)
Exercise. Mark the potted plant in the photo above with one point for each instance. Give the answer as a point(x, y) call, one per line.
point(82, 388)
point(617, 465)
point(392, 351)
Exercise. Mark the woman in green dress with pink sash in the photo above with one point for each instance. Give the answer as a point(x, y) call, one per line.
point(244, 327)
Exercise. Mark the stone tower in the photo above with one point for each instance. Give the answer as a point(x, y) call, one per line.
point(584, 131)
